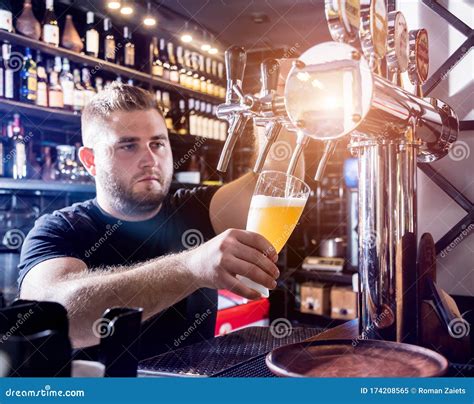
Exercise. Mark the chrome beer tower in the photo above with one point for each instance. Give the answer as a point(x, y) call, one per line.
point(337, 89)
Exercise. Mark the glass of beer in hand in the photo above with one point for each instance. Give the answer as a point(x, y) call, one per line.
point(276, 207)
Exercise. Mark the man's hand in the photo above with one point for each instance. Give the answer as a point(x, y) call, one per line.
point(234, 252)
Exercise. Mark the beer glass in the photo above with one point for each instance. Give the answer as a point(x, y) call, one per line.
point(276, 206)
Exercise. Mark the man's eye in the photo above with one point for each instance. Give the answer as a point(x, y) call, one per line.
point(158, 144)
point(127, 147)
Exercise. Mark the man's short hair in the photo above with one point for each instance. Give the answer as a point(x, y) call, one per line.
point(115, 97)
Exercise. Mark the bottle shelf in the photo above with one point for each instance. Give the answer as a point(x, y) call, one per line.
point(69, 120)
point(40, 187)
point(97, 65)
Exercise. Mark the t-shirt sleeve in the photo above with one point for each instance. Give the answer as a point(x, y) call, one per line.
point(51, 237)
point(193, 207)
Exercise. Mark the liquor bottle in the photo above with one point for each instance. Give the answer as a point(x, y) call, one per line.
point(164, 59)
point(18, 141)
point(27, 24)
point(6, 16)
point(55, 92)
point(48, 172)
point(181, 65)
point(196, 76)
point(2, 81)
point(210, 121)
point(10, 67)
point(215, 78)
point(28, 78)
point(180, 123)
point(99, 84)
point(189, 69)
point(205, 120)
point(50, 25)
point(209, 79)
point(155, 61)
point(71, 39)
point(215, 124)
point(92, 37)
point(220, 75)
point(129, 48)
point(197, 108)
point(109, 45)
point(223, 130)
point(89, 90)
point(158, 100)
point(192, 117)
point(42, 91)
point(67, 84)
point(166, 105)
point(78, 93)
point(174, 73)
point(202, 75)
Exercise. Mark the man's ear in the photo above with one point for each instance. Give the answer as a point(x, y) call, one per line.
point(86, 155)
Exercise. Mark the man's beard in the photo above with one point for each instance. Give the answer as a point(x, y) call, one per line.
point(126, 201)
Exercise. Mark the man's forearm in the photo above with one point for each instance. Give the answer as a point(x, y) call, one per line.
point(154, 285)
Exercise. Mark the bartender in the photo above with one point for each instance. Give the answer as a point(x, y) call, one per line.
point(136, 244)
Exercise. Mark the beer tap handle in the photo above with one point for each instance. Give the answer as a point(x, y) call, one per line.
point(272, 131)
point(235, 61)
point(329, 148)
point(236, 128)
point(301, 141)
point(270, 71)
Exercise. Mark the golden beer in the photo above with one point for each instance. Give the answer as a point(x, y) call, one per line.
point(276, 206)
point(274, 218)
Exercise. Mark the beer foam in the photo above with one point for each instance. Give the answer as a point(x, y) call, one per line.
point(265, 201)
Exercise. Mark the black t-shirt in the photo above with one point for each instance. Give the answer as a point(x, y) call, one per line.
point(86, 232)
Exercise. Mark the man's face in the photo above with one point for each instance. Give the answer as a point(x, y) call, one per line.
point(133, 161)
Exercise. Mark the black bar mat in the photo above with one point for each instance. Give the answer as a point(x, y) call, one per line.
point(212, 356)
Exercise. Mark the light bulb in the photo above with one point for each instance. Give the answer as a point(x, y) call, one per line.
point(114, 4)
point(205, 47)
point(149, 21)
point(186, 38)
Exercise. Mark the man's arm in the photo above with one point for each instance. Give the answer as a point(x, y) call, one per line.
point(153, 285)
point(230, 204)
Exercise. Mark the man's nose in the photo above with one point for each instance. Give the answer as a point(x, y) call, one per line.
point(148, 158)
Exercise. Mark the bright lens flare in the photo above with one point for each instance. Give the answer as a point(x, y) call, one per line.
point(186, 38)
point(114, 5)
point(331, 103)
point(149, 21)
point(317, 84)
point(303, 76)
point(127, 10)
point(205, 47)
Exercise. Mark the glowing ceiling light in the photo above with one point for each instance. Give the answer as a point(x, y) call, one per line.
point(213, 51)
point(114, 4)
point(149, 20)
point(206, 47)
point(127, 8)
